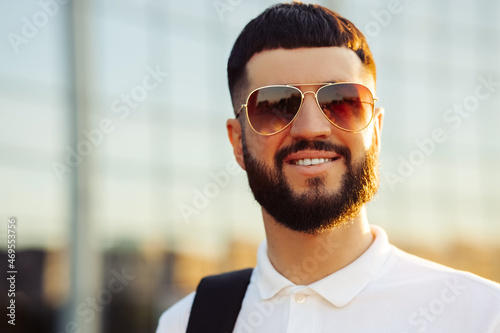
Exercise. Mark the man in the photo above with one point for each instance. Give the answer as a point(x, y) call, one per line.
point(302, 82)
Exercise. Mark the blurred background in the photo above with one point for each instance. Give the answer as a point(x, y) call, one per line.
point(116, 164)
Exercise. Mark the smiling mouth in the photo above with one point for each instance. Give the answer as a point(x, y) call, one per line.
point(312, 161)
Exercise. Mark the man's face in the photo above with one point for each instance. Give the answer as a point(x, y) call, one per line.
point(315, 197)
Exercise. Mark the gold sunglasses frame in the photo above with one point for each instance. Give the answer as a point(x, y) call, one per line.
point(295, 86)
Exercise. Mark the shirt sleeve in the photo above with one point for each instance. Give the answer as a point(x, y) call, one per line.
point(175, 319)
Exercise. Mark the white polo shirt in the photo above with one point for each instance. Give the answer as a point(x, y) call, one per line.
point(384, 290)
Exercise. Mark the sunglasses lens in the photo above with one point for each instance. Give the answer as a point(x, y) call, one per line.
point(270, 109)
point(349, 105)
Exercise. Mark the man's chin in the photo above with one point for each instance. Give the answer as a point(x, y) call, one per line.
point(330, 179)
point(313, 189)
point(316, 202)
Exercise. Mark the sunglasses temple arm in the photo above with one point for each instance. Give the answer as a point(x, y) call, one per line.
point(239, 111)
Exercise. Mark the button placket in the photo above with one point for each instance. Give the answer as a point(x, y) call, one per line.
point(302, 311)
point(300, 298)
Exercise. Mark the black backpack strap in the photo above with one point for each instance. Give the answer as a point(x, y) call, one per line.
point(217, 302)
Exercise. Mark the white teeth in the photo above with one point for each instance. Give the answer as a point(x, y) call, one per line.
point(314, 161)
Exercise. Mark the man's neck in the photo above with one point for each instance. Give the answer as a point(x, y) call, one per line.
point(304, 258)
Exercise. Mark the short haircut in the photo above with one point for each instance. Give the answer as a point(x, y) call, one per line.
point(291, 26)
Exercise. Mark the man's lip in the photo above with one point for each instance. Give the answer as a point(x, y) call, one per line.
point(311, 154)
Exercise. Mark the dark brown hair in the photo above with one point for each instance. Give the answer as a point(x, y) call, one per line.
point(291, 26)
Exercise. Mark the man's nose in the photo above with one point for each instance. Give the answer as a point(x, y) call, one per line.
point(310, 123)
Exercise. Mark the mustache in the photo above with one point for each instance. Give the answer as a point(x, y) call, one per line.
point(320, 145)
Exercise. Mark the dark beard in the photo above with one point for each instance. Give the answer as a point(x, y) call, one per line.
point(317, 209)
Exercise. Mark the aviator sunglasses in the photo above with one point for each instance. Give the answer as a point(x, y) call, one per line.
point(348, 106)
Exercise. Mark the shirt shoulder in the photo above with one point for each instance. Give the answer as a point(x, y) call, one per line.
point(433, 297)
point(428, 270)
point(437, 283)
point(175, 319)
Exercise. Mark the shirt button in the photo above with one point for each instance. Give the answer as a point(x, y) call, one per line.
point(300, 298)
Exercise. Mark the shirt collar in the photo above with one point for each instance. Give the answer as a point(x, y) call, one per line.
point(269, 281)
point(338, 288)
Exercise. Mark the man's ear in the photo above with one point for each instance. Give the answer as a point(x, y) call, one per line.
point(378, 120)
point(234, 133)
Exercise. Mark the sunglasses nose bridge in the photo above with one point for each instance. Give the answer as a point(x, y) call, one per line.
point(309, 122)
point(315, 96)
point(304, 93)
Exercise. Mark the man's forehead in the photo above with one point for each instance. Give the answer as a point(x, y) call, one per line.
point(306, 65)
